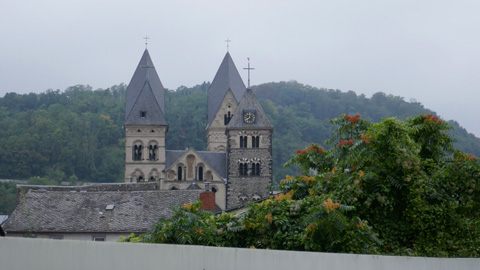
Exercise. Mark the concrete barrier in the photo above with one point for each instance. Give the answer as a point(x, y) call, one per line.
point(21, 253)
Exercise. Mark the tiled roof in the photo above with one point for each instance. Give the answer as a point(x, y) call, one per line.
point(227, 78)
point(249, 102)
point(145, 80)
point(79, 210)
point(218, 161)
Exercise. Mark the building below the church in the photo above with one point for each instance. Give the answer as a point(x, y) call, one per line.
point(102, 212)
point(235, 169)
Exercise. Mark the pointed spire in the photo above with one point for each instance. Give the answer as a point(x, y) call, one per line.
point(145, 77)
point(146, 110)
point(249, 102)
point(227, 78)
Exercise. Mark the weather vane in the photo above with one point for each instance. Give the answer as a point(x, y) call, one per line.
point(228, 43)
point(146, 41)
point(248, 68)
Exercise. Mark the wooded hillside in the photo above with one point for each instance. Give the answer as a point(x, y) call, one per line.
point(77, 135)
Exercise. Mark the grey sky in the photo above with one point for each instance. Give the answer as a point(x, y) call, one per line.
point(426, 50)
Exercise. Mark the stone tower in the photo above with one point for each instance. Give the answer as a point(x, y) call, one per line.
point(249, 152)
point(224, 93)
point(145, 125)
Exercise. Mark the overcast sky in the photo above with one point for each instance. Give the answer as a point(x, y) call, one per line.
point(422, 50)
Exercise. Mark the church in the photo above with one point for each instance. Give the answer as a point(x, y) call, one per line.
point(238, 160)
point(236, 167)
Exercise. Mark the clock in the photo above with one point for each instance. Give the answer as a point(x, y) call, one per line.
point(249, 117)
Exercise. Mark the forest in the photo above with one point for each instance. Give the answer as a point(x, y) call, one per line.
point(76, 135)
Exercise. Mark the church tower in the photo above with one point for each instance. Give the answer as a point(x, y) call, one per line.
point(224, 93)
point(249, 152)
point(145, 125)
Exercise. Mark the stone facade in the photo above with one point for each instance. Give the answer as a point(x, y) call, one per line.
point(147, 160)
point(216, 137)
point(251, 186)
point(149, 165)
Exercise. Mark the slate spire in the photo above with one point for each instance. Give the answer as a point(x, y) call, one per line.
point(227, 78)
point(145, 97)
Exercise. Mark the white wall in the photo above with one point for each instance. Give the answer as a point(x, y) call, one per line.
point(21, 253)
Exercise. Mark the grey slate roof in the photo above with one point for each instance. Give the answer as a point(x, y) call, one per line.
point(146, 102)
point(249, 102)
point(227, 77)
point(144, 73)
point(43, 210)
point(216, 160)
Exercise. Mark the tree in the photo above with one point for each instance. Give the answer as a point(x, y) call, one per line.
point(400, 180)
point(405, 179)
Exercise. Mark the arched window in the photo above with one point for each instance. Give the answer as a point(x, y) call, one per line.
point(253, 169)
point(179, 173)
point(257, 171)
point(227, 117)
point(255, 141)
point(200, 173)
point(243, 141)
point(137, 152)
point(240, 169)
point(243, 169)
point(152, 151)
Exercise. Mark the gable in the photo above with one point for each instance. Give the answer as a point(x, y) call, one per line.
point(249, 102)
point(214, 161)
point(226, 78)
point(228, 100)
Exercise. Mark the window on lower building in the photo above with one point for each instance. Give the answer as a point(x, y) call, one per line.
point(99, 238)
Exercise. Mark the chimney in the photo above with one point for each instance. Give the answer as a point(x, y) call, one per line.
point(208, 199)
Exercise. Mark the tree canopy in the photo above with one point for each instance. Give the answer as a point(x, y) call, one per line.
point(76, 135)
point(392, 187)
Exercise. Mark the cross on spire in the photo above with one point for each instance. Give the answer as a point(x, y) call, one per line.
point(228, 43)
point(248, 68)
point(146, 41)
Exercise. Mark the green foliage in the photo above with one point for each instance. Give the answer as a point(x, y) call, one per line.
point(403, 179)
point(301, 115)
point(278, 223)
point(79, 131)
point(398, 181)
point(8, 191)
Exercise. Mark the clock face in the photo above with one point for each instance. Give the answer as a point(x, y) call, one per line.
point(249, 117)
